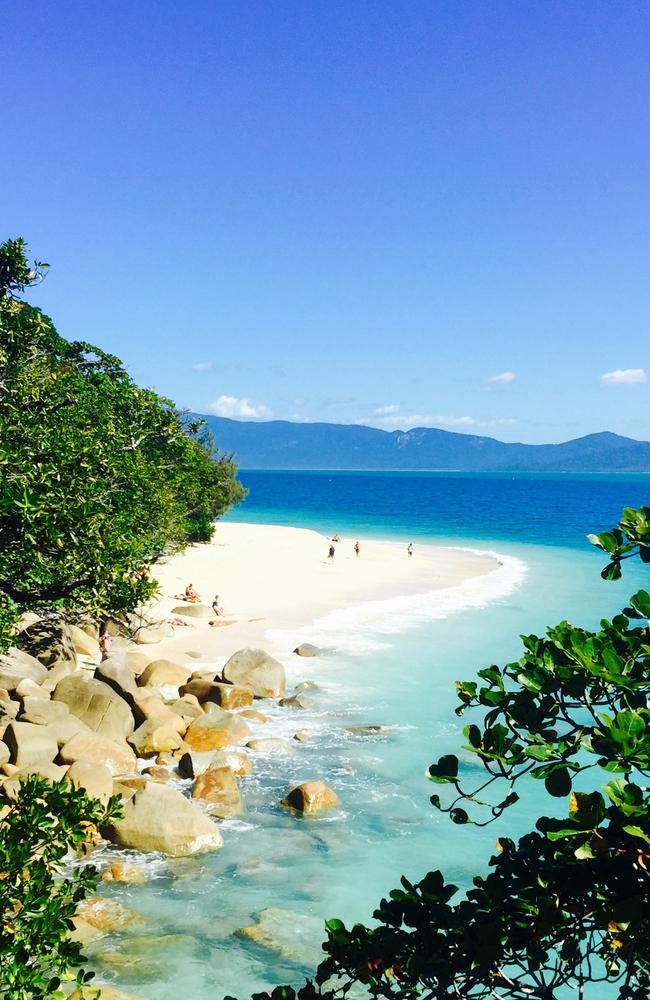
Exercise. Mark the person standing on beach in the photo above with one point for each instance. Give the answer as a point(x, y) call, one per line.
point(410, 549)
point(105, 643)
point(330, 554)
point(357, 549)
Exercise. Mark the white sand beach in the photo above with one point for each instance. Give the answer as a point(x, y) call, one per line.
point(270, 577)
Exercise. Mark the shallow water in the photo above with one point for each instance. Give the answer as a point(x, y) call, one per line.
point(376, 671)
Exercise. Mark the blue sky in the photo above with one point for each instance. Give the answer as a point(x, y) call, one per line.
point(392, 213)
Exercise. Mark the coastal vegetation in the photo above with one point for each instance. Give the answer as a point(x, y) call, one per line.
point(39, 892)
point(566, 908)
point(98, 476)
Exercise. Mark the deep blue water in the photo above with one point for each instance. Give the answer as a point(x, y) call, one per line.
point(529, 508)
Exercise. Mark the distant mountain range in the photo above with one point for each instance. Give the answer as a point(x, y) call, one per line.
point(281, 444)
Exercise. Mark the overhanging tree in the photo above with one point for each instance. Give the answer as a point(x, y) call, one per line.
point(566, 909)
point(98, 477)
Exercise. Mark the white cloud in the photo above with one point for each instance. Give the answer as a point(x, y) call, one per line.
point(386, 411)
point(502, 378)
point(203, 366)
point(390, 418)
point(624, 376)
point(239, 408)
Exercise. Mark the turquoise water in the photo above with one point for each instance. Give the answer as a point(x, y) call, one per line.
point(341, 865)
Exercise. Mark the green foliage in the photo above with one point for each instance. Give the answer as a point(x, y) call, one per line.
point(39, 889)
point(98, 477)
point(568, 905)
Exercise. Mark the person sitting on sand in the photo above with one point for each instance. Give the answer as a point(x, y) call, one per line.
point(191, 594)
point(216, 607)
point(336, 538)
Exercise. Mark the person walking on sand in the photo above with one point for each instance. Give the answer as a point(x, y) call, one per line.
point(216, 607)
point(357, 549)
point(330, 554)
point(410, 549)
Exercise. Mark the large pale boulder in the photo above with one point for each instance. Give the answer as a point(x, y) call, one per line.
point(46, 769)
point(226, 695)
point(55, 715)
point(118, 757)
point(42, 712)
point(96, 779)
point(96, 704)
point(29, 744)
point(30, 689)
point(149, 634)
point(218, 791)
point(49, 640)
point(56, 674)
point(154, 737)
point(15, 668)
point(138, 658)
point(4, 755)
point(193, 611)
point(257, 670)
point(160, 673)
point(148, 703)
point(83, 643)
point(187, 707)
point(160, 818)
point(216, 729)
point(116, 672)
point(311, 797)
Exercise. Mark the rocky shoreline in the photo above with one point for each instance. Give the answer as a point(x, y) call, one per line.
point(171, 741)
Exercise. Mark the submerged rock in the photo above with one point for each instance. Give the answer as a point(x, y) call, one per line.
point(270, 744)
point(124, 871)
point(103, 992)
point(373, 730)
point(294, 936)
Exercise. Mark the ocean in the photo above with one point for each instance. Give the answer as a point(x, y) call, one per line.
point(393, 665)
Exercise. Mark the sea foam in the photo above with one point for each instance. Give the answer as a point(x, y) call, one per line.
point(356, 630)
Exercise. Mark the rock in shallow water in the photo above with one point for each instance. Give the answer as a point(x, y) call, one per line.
point(160, 818)
point(294, 936)
point(311, 797)
point(218, 790)
point(257, 670)
point(307, 649)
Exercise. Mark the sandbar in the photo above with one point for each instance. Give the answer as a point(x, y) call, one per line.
point(271, 577)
